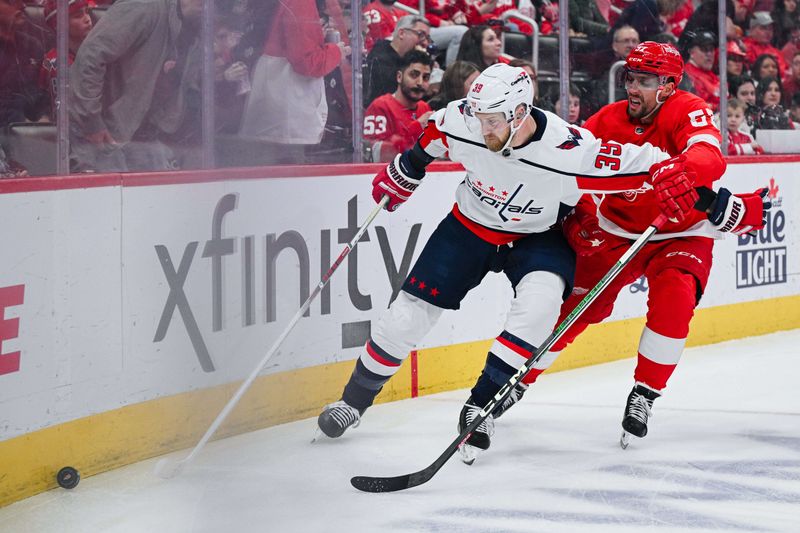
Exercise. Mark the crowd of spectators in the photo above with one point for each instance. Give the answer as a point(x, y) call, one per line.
point(282, 70)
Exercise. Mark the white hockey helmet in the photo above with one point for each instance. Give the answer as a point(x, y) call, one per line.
point(502, 89)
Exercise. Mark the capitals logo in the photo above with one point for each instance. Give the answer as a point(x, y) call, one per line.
point(572, 139)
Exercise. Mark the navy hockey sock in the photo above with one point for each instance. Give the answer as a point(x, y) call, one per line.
point(363, 387)
point(495, 374)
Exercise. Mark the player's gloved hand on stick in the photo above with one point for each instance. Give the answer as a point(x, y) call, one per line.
point(674, 188)
point(740, 213)
point(398, 181)
point(584, 235)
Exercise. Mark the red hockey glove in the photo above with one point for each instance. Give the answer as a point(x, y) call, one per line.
point(398, 180)
point(667, 168)
point(740, 213)
point(584, 235)
point(676, 196)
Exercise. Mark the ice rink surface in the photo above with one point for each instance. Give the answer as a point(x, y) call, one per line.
point(723, 454)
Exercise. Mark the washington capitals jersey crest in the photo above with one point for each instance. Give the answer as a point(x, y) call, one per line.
point(573, 139)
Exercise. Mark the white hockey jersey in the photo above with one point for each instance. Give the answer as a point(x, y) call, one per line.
point(525, 192)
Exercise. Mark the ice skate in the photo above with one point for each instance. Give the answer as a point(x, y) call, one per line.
point(480, 439)
point(336, 418)
point(637, 411)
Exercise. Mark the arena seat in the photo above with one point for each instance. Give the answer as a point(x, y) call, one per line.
point(35, 14)
point(32, 144)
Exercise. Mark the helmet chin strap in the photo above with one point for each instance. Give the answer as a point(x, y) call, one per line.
point(659, 102)
point(507, 150)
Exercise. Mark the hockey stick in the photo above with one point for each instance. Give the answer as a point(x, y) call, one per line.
point(406, 481)
point(167, 468)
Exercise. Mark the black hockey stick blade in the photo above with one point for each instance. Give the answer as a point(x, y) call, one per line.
point(385, 484)
point(407, 481)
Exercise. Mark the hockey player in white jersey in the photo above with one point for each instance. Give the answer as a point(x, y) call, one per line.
point(525, 169)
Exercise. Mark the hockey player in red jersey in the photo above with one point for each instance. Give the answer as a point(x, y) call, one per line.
point(678, 259)
point(524, 169)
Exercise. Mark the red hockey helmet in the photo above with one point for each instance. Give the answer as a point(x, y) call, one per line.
point(660, 59)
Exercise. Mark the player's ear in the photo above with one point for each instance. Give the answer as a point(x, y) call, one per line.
point(399, 76)
point(519, 114)
point(669, 88)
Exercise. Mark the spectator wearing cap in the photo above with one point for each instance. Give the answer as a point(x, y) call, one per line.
point(791, 83)
point(700, 67)
point(22, 47)
point(759, 39)
point(394, 122)
point(385, 58)
point(80, 24)
point(736, 59)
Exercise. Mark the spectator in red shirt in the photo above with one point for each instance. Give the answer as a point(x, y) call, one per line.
point(700, 67)
point(791, 83)
point(381, 18)
point(394, 121)
point(80, 24)
point(287, 104)
point(481, 46)
point(759, 39)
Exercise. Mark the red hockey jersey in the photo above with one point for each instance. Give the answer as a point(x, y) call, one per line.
point(683, 124)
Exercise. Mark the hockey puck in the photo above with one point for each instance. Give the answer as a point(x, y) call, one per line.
point(68, 478)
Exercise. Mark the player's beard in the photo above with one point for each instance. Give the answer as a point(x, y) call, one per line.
point(639, 111)
point(495, 143)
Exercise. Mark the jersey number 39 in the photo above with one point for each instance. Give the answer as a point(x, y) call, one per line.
point(609, 156)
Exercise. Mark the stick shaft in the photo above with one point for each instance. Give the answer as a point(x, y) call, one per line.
point(249, 381)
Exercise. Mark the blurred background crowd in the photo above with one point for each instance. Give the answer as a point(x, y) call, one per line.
point(155, 85)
